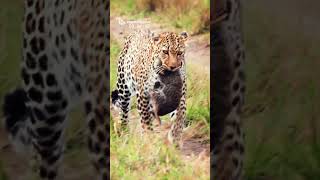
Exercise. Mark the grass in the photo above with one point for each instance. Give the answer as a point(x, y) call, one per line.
point(183, 15)
point(134, 157)
point(198, 104)
point(114, 53)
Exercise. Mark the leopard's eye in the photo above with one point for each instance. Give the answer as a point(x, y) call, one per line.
point(165, 51)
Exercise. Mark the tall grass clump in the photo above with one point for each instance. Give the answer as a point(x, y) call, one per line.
point(198, 95)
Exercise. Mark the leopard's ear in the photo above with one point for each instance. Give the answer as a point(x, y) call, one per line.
point(157, 37)
point(184, 35)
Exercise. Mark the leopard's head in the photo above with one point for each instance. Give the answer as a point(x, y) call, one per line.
point(169, 50)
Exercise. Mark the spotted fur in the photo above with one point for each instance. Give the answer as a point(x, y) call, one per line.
point(228, 92)
point(65, 53)
point(143, 58)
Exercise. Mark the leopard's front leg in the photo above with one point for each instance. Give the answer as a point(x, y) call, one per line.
point(175, 133)
point(143, 99)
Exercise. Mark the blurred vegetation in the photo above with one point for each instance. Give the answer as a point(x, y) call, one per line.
point(189, 15)
point(281, 110)
point(3, 175)
point(10, 36)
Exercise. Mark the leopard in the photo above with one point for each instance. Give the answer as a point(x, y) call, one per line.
point(228, 91)
point(144, 59)
point(65, 53)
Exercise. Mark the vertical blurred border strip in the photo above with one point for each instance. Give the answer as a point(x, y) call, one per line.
point(218, 74)
point(107, 73)
point(212, 120)
point(222, 75)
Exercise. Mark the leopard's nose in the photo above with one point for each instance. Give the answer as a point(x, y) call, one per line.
point(172, 67)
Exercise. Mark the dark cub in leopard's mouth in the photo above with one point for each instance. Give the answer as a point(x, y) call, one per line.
point(167, 92)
